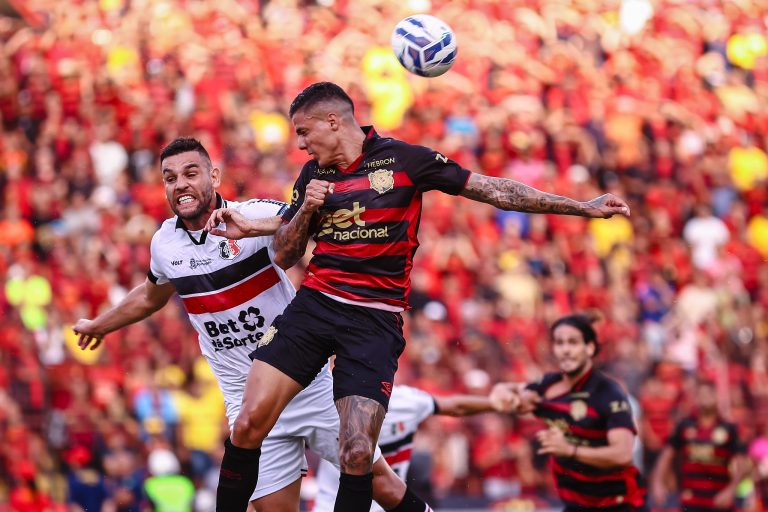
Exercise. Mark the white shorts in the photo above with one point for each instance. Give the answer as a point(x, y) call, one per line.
point(309, 421)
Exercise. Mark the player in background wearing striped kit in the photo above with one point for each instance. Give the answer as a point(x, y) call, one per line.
point(591, 432)
point(711, 457)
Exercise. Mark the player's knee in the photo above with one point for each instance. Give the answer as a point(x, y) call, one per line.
point(249, 429)
point(356, 456)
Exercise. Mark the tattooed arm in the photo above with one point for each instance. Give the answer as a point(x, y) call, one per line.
point(513, 195)
point(291, 239)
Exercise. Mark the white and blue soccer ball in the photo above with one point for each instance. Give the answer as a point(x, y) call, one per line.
point(424, 45)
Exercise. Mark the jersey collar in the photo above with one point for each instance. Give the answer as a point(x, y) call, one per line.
point(370, 138)
point(579, 385)
point(220, 203)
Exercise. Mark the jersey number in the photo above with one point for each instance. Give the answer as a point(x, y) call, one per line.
point(619, 406)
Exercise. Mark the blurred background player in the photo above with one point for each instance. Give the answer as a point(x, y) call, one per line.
point(408, 408)
point(707, 455)
point(591, 434)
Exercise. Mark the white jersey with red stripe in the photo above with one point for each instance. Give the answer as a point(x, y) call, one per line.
point(231, 289)
point(408, 408)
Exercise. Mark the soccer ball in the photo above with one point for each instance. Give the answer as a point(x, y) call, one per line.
point(424, 45)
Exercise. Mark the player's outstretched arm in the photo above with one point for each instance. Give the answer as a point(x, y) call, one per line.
point(462, 405)
point(291, 239)
point(512, 195)
point(617, 453)
point(237, 226)
point(513, 397)
point(140, 303)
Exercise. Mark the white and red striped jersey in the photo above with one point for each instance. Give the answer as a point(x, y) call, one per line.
point(232, 291)
point(408, 408)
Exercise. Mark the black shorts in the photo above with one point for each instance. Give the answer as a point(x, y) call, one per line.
point(367, 343)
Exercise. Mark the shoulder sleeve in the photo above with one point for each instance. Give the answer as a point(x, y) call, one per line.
point(430, 170)
point(613, 404)
point(299, 189)
point(541, 385)
point(418, 404)
point(156, 272)
point(262, 208)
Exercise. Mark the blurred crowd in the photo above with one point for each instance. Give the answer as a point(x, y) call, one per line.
point(662, 102)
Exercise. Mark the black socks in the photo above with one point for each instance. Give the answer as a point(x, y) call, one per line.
point(237, 478)
point(411, 503)
point(355, 493)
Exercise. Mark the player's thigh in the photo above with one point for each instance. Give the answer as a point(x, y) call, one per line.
point(367, 350)
point(286, 499)
point(300, 340)
point(282, 463)
point(267, 391)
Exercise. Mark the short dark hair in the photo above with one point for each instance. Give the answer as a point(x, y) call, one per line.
point(318, 92)
point(182, 145)
point(581, 322)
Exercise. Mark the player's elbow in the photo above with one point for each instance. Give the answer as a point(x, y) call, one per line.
point(284, 261)
point(623, 456)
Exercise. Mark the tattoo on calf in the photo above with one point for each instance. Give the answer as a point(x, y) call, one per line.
point(361, 420)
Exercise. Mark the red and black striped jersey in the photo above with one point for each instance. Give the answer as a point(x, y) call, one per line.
point(366, 232)
point(595, 405)
point(704, 455)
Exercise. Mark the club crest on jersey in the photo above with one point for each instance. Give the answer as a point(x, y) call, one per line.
point(382, 180)
point(269, 334)
point(578, 409)
point(228, 249)
point(719, 435)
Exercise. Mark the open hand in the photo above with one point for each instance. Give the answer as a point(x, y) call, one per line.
point(236, 226)
point(553, 442)
point(89, 335)
point(606, 206)
point(659, 495)
point(513, 397)
point(724, 499)
point(504, 398)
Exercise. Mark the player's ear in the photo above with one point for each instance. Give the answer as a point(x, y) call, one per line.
point(333, 120)
point(591, 348)
point(216, 177)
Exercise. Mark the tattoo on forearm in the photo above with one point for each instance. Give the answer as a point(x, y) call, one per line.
point(291, 240)
point(513, 195)
point(361, 420)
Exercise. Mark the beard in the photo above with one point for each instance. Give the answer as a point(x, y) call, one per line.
point(577, 371)
point(206, 198)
